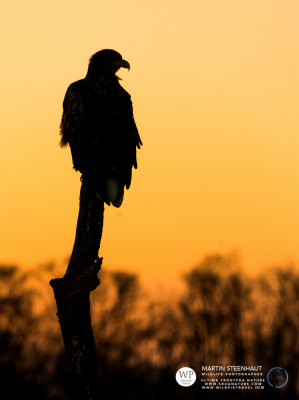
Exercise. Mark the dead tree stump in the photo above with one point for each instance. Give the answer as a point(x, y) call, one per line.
point(72, 295)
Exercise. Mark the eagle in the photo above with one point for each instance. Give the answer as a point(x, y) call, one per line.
point(98, 125)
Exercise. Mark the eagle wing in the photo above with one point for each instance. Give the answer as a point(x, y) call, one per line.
point(74, 125)
point(125, 136)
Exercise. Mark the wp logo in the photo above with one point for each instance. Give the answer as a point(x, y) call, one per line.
point(185, 376)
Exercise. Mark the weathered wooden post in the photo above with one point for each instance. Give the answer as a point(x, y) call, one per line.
point(72, 295)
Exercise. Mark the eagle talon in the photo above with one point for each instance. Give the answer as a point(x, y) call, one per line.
point(104, 201)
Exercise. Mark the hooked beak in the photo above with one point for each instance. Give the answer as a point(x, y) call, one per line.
point(124, 64)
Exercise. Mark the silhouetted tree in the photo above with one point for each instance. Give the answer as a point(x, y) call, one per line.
point(223, 317)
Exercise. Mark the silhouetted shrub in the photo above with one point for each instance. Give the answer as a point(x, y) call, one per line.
point(223, 317)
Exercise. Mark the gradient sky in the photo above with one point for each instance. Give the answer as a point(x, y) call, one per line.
point(215, 88)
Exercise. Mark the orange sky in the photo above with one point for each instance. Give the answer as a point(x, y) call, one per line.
point(215, 88)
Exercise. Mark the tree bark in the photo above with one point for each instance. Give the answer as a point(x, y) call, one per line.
point(72, 295)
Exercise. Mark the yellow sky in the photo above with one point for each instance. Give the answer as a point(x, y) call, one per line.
point(215, 87)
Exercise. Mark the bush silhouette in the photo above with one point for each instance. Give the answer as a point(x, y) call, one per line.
point(223, 318)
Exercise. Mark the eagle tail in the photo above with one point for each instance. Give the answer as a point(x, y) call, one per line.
point(115, 191)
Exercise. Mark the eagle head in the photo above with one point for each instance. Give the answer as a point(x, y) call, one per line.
point(106, 63)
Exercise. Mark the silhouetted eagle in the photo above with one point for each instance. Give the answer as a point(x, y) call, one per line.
point(99, 126)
